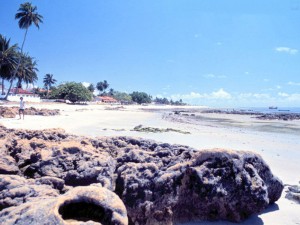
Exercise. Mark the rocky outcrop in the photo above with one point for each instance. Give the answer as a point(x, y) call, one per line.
point(11, 112)
point(24, 202)
point(158, 183)
point(293, 193)
point(258, 115)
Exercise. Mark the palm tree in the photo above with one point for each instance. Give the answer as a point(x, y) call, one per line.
point(27, 71)
point(27, 15)
point(8, 59)
point(48, 81)
point(102, 86)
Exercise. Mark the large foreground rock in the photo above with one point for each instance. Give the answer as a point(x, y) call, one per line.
point(160, 184)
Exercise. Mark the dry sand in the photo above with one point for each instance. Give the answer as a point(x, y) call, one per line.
point(277, 141)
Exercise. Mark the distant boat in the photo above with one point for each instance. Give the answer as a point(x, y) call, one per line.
point(273, 107)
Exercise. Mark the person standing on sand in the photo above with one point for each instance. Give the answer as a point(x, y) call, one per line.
point(22, 108)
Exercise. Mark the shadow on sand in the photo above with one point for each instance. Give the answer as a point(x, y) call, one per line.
point(252, 220)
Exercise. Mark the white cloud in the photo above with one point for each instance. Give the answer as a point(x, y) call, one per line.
point(30, 86)
point(219, 43)
point(293, 83)
point(293, 98)
point(266, 80)
point(167, 87)
point(282, 94)
point(253, 95)
point(211, 75)
point(285, 97)
point(86, 84)
point(278, 86)
point(220, 94)
point(288, 50)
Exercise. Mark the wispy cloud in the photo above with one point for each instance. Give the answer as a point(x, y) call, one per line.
point(253, 95)
point(295, 97)
point(86, 84)
point(220, 94)
point(211, 75)
point(293, 83)
point(167, 87)
point(283, 94)
point(291, 51)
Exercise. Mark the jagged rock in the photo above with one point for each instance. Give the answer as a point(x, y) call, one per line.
point(81, 205)
point(7, 165)
point(293, 193)
point(258, 115)
point(159, 183)
point(11, 112)
point(214, 184)
point(57, 155)
point(16, 190)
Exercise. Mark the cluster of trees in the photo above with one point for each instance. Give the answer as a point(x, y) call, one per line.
point(165, 101)
point(15, 65)
point(72, 91)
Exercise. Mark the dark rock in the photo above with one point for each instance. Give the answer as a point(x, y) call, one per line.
point(81, 205)
point(7, 164)
point(293, 193)
point(159, 183)
point(220, 184)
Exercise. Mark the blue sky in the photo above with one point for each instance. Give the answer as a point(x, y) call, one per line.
point(210, 52)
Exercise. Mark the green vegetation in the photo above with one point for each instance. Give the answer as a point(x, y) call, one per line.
point(74, 92)
point(48, 82)
point(102, 86)
point(165, 101)
point(122, 97)
point(140, 128)
point(140, 97)
point(8, 59)
point(27, 71)
point(91, 88)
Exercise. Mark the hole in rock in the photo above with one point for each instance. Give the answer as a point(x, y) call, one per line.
point(84, 211)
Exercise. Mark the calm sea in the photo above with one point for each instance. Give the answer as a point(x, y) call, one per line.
point(267, 110)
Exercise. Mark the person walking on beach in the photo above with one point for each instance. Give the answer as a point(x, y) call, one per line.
point(22, 108)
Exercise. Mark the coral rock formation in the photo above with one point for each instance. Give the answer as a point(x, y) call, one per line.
point(58, 178)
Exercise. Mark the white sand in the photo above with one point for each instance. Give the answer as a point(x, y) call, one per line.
point(278, 142)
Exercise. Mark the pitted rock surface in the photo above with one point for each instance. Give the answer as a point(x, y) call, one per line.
point(159, 183)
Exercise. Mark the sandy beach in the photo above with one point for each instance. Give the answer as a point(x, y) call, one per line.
point(278, 142)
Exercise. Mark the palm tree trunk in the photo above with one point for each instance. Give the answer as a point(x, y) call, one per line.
point(2, 86)
point(18, 65)
point(11, 83)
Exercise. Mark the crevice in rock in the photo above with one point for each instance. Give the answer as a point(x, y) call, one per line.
point(85, 211)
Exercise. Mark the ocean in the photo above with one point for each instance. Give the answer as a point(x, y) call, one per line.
point(268, 110)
